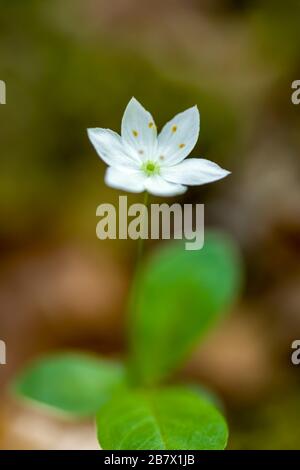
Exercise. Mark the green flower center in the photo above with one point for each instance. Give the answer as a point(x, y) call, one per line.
point(150, 168)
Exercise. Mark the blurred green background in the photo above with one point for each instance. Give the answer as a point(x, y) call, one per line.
point(69, 65)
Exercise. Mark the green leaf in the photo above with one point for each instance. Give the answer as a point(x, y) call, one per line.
point(74, 383)
point(206, 394)
point(180, 296)
point(166, 419)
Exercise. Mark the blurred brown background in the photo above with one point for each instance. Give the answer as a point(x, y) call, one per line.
point(73, 64)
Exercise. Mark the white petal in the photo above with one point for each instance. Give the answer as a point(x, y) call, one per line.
point(159, 187)
point(194, 171)
point(179, 136)
point(108, 145)
point(139, 131)
point(127, 180)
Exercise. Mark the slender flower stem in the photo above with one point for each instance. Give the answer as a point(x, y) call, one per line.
point(141, 240)
point(136, 284)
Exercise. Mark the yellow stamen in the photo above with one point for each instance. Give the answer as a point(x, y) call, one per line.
point(135, 133)
point(174, 128)
point(181, 146)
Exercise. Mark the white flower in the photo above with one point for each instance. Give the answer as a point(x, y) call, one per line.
point(140, 160)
